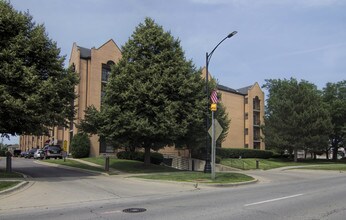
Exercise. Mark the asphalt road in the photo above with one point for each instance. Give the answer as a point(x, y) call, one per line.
point(292, 194)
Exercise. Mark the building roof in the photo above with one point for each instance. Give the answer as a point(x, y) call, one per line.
point(84, 52)
point(225, 88)
point(244, 90)
point(241, 91)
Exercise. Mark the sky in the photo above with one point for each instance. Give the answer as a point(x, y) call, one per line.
point(276, 39)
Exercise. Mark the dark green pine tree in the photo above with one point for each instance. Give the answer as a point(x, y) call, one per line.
point(36, 92)
point(155, 97)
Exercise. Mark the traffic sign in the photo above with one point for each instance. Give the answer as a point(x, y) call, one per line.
point(65, 145)
point(213, 107)
point(218, 130)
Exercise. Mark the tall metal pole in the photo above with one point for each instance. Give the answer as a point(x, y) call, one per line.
point(207, 167)
point(213, 146)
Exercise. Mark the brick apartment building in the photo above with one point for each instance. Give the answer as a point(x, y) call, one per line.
point(244, 106)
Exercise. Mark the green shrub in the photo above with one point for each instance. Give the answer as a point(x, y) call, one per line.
point(80, 145)
point(3, 152)
point(218, 159)
point(155, 158)
point(244, 153)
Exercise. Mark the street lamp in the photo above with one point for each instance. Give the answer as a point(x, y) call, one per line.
point(207, 167)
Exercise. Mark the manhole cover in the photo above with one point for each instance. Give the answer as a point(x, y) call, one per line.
point(134, 210)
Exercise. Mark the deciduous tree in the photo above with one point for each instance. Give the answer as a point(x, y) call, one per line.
point(36, 91)
point(334, 95)
point(296, 117)
point(154, 98)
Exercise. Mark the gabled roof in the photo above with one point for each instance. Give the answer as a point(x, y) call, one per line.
point(84, 52)
point(244, 90)
point(227, 89)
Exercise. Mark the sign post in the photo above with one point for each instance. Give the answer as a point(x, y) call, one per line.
point(213, 144)
point(215, 131)
point(64, 153)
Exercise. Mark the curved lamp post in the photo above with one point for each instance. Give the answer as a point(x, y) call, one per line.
point(207, 167)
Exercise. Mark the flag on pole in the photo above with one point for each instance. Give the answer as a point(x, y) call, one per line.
point(213, 97)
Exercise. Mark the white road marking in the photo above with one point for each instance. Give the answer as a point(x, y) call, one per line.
point(273, 200)
point(111, 212)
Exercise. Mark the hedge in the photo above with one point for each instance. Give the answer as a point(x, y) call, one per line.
point(243, 152)
point(155, 158)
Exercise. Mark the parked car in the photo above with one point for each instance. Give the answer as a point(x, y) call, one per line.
point(23, 153)
point(52, 151)
point(31, 153)
point(16, 153)
point(39, 154)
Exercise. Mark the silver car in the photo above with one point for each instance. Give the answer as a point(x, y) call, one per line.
point(39, 154)
point(52, 151)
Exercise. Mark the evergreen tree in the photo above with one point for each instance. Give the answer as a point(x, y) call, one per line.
point(36, 92)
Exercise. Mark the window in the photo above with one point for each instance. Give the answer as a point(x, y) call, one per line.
point(257, 145)
point(246, 115)
point(256, 134)
point(246, 131)
point(256, 119)
point(105, 72)
point(256, 103)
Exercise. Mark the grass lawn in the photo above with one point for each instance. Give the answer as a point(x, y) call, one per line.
point(335, 166)
point(157, 172)
point(250, 163)
point(73, 163)
point(130, 166)
point(198, 177)
point(7, 184)
point(266, 164)
point(4, 174)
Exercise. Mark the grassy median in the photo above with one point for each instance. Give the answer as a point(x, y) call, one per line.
point(221, 178)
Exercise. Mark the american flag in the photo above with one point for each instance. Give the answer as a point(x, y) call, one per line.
point(213, 97)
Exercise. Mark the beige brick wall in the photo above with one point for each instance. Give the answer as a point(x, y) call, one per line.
point(234, 104)
point(89, 88)
point(253, 92)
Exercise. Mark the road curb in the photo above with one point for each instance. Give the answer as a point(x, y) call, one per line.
point(231, 184)
point(197, 184)
point(14, 188)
